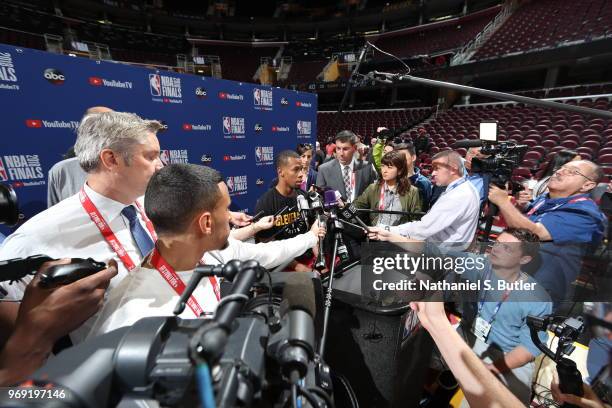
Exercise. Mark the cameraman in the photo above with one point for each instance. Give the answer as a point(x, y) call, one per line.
point(41, 320)
point(566, 219)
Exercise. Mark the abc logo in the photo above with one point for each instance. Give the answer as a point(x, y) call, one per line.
point(258, 127)
point(164, 126)
point(54, 76)
point(200, 92)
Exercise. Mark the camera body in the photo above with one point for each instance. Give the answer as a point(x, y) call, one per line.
point(503, 158)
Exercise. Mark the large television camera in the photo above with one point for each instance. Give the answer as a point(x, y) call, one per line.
point(256, 351)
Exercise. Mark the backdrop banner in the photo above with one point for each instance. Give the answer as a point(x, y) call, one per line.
point(234, 127)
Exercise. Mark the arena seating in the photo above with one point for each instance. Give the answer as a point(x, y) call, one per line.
point(436, 37)
point(548, 23)
point(545, 130)
point(366, 122)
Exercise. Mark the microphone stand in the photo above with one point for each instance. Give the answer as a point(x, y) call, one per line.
point(352, 81)
point(336, 229)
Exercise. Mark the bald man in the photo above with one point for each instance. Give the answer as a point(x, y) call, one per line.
point(67, 177)
point(452, 219)
point(567, 221)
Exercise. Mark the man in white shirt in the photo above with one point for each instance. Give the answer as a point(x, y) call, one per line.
point(453, 218)
point(67, 177)
point(120, 152)
point(188, 205)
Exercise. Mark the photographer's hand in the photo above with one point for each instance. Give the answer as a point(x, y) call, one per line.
point(45, 315)
point(589, 400)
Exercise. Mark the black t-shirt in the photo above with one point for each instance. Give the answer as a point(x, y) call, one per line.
point(271, 203)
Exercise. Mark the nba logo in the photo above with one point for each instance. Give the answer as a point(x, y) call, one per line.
point(230, 184)
point(257, 96)
point(164, 156)
point(155, 84)
point(258, 154)
point(3, 174)
point(227, 125)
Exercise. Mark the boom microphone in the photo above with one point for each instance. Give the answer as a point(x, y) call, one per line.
point(467, 144)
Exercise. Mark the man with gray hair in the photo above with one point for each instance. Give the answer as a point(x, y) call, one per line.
point(453, 218)
point(67, 177)
point(120, 152)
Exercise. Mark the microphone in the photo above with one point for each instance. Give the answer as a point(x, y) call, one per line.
point(331, 198)
point(350, 212)
point(303, 208)
point(293, 345)
point(227, 272)
point(467, 144)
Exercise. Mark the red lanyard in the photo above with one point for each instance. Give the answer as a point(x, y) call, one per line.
point(175, 281)
point(108, 233)
point(381, 200)
point(112, 240)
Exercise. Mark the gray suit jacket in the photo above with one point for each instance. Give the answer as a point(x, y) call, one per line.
point(65, 179)
point(330, 175)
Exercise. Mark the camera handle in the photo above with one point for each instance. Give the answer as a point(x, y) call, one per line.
point(491, 213)
point(570, 380)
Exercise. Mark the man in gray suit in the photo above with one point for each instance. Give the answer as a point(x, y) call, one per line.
point(345, 173)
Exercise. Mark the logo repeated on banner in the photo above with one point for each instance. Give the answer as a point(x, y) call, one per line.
point(280, 128)
point(56, 77)
point(237, 185)
point(165, 88)
point(264, 155)
point(262, 99)
point(259, 182)
point(258, 128)
point(173, 156)
point(234, 157)
point(7, 72)
point(192, 126)
point(19, 169)
point(201, 93)
point(53, 124)
point(303, 129)
point(206, 158)
point(231, 96)
point(110, 83)
point(303, 104)
point(284, 101)
point(233, 128)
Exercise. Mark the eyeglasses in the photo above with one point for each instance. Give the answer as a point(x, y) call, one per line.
point(571, 171)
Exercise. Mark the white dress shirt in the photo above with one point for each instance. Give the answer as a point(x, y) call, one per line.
point(146, 293)
point(66, 231)
point(352, 176)
point(452, 219)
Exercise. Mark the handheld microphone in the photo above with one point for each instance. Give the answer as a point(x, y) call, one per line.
point(293, 345)
point(331, 198)
point(350, 212)
point(303, 208)
point(467, 144)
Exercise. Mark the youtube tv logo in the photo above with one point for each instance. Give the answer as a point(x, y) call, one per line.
point(34, 123)
point(226, 158)
point(187, 126)
point(95, 81)
point(222, 95)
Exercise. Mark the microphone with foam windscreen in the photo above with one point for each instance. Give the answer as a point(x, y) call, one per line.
point(304, 208)
point(293, 345)
point(330, 198)
point(467, 144)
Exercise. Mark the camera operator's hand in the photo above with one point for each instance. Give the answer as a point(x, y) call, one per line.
point(240, 219)
point(430, 314)
point(524, 197)
point(589, 400)
point(497, 196)
point(318, 230)
point(45, 315)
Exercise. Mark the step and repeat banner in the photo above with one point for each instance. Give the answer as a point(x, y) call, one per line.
point(236, 128)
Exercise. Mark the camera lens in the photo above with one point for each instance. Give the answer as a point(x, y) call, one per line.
point(9, 210)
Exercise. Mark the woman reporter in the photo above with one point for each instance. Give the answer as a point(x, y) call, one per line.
point(392, 192)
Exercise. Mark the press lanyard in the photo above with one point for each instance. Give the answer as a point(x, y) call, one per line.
point(175, 281)
point(381, 200)
point(543, 200)
point(108, 233)
point(448, 190)
point(481, 303)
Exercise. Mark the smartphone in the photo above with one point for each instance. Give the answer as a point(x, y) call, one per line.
point(488, 131)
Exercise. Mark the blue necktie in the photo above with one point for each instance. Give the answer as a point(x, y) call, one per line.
point(143, 240)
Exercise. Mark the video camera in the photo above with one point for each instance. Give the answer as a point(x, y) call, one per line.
point(503, 158)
